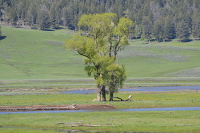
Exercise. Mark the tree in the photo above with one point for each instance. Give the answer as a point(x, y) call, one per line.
point(158, 29)
point(43, 17)
point(13, 16)
point(117, 40)
point(183, 31)
point(54, 16)
point(196, 28)
point(147, 28)
point(169, 29)
point(101, 37)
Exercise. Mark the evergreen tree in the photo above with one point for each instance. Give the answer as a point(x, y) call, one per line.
point(13, 15)
point(183, 31)
point(32, 14)
point(147, 28)
point(158, 30)
point(169, 29)
point(196, 28)
point(54, 15)
point(43, 18)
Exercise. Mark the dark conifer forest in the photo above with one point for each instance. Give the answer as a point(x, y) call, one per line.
point(159, 20)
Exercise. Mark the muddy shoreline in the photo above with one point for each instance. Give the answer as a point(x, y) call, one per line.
point(54, 107)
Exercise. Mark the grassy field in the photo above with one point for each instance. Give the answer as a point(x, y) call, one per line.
point(35, 66)
point(140, 99)
point(27, 55)
point(35, 54)
point(159, 121)
point(147, 121)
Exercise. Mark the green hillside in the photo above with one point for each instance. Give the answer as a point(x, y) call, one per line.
point(35, 54)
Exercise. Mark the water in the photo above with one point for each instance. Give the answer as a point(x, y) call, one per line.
point(122, 110)
point(165, 88)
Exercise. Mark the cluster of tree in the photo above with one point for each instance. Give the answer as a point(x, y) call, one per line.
point(100, 38)
point(154, 19)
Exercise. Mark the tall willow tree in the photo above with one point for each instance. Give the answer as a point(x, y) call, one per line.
point(101, 37)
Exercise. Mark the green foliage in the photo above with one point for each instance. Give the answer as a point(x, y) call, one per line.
point(183, 31)
point(196, 27)
point(101, 37)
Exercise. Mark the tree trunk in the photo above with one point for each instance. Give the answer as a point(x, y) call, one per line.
point(111, 96)
point(99, 93)
point(103, 92)
point(112, 87)
point(99, 96)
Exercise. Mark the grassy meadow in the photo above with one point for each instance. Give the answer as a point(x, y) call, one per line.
point(153, 121)
point(36, 67)
point(139, 99)
point(35, 58)
point(145, 121)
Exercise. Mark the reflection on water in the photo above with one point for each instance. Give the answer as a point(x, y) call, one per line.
point(74, 111)
point(165, 88)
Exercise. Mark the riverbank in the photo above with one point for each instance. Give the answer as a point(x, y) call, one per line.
point(54, 107)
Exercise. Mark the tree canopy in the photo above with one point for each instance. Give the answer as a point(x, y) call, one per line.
point(100, 38)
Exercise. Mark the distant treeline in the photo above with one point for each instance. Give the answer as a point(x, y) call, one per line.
point(161, 20)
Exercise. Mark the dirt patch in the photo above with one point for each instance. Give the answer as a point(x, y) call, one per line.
point(54, 107)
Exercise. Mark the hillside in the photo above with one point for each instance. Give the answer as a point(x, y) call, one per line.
point(35, 54)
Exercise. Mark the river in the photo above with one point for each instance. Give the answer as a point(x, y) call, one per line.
point(163, 88)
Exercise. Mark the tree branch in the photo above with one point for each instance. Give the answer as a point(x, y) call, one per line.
point(84, 55)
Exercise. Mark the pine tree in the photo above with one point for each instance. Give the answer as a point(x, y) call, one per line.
point(147, 28)
point(54, 15)
point(169, 29)
point(13, 15)
point(158, 30)
point(196, 28)
point(43, 18)
point(183, 31)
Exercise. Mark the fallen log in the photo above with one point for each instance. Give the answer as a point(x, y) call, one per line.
point(124, 100)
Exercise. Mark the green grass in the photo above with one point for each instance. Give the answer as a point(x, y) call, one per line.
point(139, 99)
point(150, 121)
point(158, 121)
point(37, 59)
point(35, 54)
